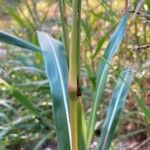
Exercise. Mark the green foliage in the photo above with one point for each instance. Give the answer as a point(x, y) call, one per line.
point(74, 126)
point(11, 39)
point(117, 103)
point(29, 22)
point(111, 49)
point(54, 55)
point(57, 71)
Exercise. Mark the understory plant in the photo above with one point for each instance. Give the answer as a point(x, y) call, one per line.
point(74, 129)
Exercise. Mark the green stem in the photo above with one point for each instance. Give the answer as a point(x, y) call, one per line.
point(78, 126)
point(62, 8)
point(74, 55)
point(73, 118)
point(74, 72)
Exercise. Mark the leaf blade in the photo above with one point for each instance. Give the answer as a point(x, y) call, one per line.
point(16, 41)
point(110, 51)
point(118, 101)
point(54, 55)
point(21, 98)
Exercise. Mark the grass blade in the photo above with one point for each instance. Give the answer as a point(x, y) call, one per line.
point(57, 71)
point(62, 8)
point(21, 98)
point(102, 40)
point(118, 101)
point(26, 103)
point(20, 18)
point(87, 29)
point(103, 69)
point(13, 13)
point(16, 41)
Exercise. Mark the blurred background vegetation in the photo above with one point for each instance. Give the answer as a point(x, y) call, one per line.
point(25, 70)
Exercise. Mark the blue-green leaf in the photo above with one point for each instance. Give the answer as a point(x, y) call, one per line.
point(117, 103)
point(56, 66)
point(103, 69)
point(16, 41)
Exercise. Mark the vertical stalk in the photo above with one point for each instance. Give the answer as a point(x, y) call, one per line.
point(74, 72)
point(78, 126)
point(73, 119)
point(62, 8)
point(74, 55)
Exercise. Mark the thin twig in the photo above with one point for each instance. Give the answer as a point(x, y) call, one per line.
point(138, 48)
point(142, 144)
point(139, 13)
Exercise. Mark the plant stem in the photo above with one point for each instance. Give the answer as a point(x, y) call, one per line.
point(78, 126)
point(74, 72)
point(74, 55)
point(73, 116)
point(62, 8)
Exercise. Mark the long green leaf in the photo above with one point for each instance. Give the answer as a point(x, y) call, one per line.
point(103, 69)
point(13, 13)
point(118, 101)
point(26, 103)
point(24, 21)
point(87, 29)
point(16, 41)
point(62, 9)
point(57, 71)
point(102, 40)
point(21, 98)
